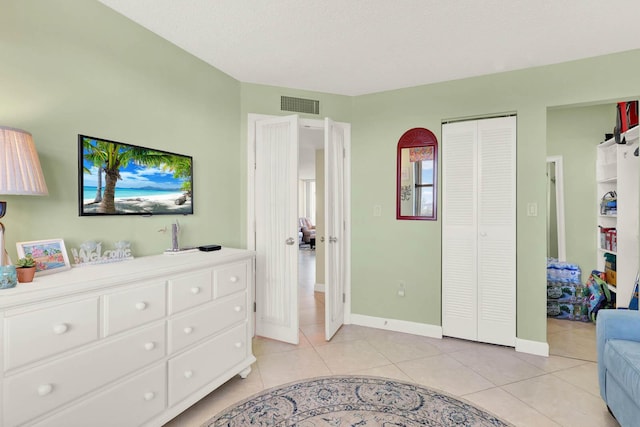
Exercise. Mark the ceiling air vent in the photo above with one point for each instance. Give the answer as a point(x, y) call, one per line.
point(299, 105)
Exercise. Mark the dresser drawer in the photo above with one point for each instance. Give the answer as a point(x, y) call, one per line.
point(229, 279)
point(129, 404)
point(202, 322)
point(134, 307)
point(39, 390)
point(189, 290)
point(203, 364)
point(37, 334)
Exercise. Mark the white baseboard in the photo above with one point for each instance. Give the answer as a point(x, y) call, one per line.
point(318, 287)
point(532, 347)
point(524, 346)
point(414, 328)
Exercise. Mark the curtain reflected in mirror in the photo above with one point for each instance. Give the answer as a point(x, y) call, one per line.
point(417, 185)
point(417, 172)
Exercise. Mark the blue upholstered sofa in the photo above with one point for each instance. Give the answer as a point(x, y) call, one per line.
point(618, 341)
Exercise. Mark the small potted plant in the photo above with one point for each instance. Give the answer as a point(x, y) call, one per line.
point(26, 269)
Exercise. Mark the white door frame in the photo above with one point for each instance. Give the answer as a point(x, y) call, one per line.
point(252, 118)
point(556, 162)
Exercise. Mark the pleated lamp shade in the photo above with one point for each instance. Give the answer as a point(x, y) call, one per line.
point(20, 171)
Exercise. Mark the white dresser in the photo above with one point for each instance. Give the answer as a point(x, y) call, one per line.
point(125, 344)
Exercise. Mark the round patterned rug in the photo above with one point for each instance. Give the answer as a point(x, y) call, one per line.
point(341, 401)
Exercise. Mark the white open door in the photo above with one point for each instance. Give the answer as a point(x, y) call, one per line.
point(336, 137)
point(276, 228)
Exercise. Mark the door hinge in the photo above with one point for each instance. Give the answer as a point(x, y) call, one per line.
point(255, 307)
point(344, 298)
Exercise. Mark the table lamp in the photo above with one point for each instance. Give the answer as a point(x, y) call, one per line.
point(20, 172)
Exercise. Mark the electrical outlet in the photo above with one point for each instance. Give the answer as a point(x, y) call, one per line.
point(401, 289)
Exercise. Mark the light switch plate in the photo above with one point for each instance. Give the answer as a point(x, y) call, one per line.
point(532, 209)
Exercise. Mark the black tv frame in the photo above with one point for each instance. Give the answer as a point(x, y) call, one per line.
point(144, 205)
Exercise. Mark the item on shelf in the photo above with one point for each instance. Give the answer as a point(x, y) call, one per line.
point(8, 276)
point(626, 118)
point(610, 269)
point(609, 203)
point(608, 238)
point(91, 253)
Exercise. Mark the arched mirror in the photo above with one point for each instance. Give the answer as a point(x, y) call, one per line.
point(417, 173)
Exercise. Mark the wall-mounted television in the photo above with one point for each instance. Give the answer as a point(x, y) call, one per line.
point(115, 178)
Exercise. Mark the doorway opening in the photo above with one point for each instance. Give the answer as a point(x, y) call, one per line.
point(311, 161)
point(276, 148)
point(574, 134)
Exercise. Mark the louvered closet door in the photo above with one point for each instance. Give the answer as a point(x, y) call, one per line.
point(459, 230)
point(497, 230)
point(478, 234)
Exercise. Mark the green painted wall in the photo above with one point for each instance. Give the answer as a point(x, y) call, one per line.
point(574, 133)
point(386, 251)
point(76, 66)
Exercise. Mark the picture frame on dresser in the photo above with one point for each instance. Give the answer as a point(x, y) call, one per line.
point(50, 255)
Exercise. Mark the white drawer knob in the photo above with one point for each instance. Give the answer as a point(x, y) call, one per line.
point(233, 279)
point(188, 374)
point(150, 345)
point(238, 344)
point(237, 308)
point(45, 389)
point(149, 395)
point(60, 328)
point(188, 330)
point(141, 305)
point(195, 290)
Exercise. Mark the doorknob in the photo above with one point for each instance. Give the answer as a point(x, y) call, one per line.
point(322, 239)
point(333, 239)
point(290, 241)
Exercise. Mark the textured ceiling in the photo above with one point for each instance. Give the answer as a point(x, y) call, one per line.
point(355, 47)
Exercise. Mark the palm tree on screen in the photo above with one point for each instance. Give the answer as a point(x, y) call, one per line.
point(112, 157)
point(93, 155)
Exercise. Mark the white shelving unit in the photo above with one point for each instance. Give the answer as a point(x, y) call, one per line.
point(617, 169)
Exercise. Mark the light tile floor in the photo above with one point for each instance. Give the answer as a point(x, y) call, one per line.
point(521, 388)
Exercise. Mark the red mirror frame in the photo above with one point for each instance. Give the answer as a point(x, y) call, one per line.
point(417, 137)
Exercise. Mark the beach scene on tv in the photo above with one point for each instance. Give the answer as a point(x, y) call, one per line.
point(126, 179)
